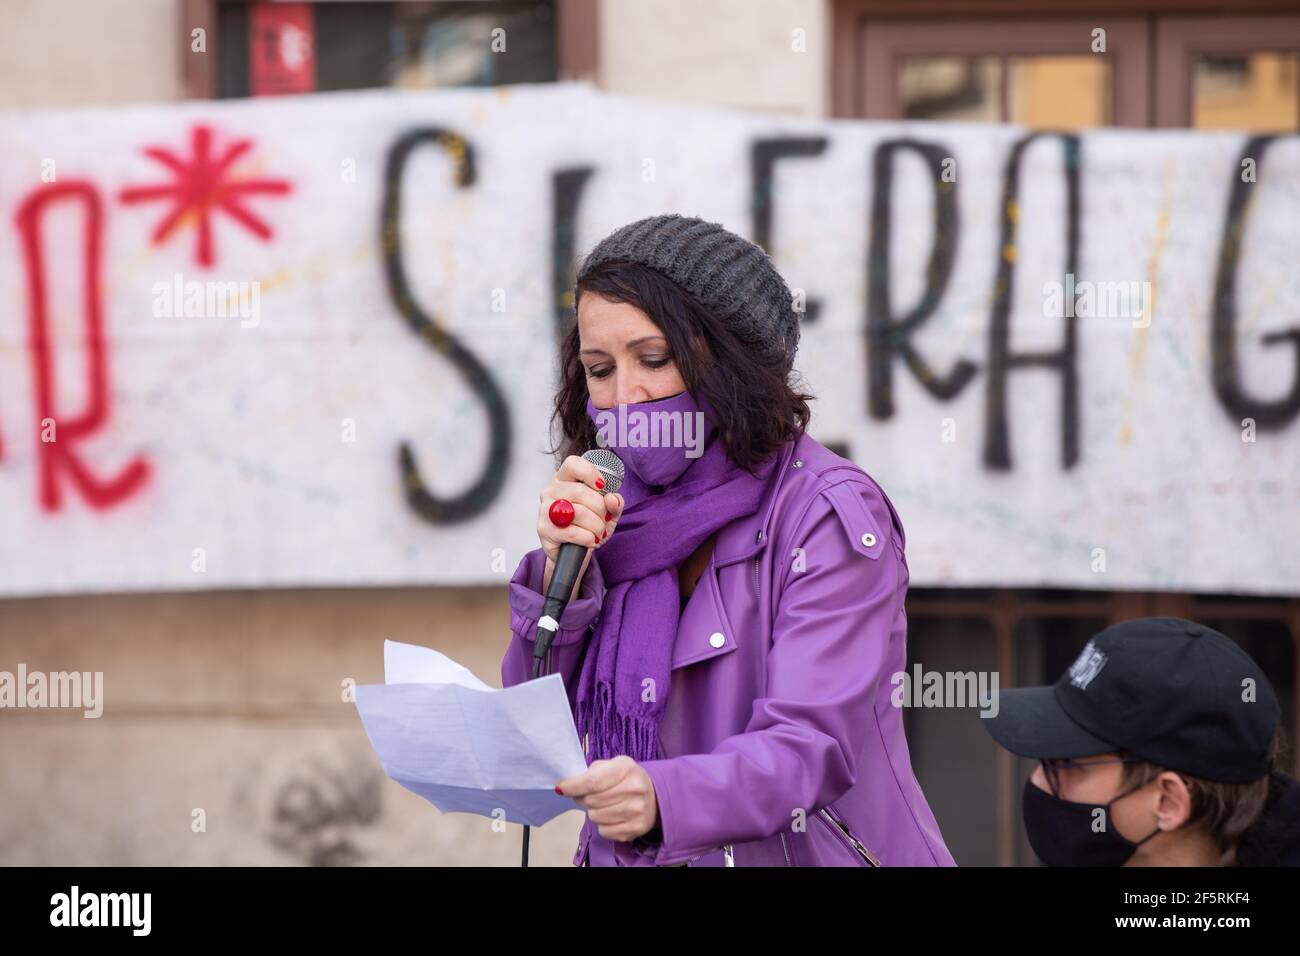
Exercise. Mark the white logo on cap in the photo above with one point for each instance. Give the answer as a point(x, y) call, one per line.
point(1087, 667)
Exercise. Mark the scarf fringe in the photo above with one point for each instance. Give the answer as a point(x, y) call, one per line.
point(641, 609)
point(611, 732)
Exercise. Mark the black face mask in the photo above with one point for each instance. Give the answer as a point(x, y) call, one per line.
point(1061, 831)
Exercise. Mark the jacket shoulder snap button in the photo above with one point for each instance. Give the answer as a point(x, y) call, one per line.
point(798, 462)
point(869, 539)
point(717, 639)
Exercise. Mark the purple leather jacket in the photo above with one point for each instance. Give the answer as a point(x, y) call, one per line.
point(779, 745)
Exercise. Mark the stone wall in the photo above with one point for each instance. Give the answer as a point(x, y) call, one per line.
point(230, 703)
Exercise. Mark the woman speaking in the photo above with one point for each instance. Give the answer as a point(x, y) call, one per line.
point(728, 647)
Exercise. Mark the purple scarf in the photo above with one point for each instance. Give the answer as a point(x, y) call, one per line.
point(638, 620)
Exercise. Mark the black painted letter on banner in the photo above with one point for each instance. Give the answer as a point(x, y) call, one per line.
point(885, 336)
point(1226, 370)
point(997, 445)
point(762, 163)
point(483, 492)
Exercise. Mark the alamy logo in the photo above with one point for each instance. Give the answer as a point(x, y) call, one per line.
point(1087, 667)
point(77, 689)
point(924, 688)
point(102, 909)
point(634, 428)
point(179, 299)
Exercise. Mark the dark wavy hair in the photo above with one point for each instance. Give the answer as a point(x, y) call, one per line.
point(756, 407)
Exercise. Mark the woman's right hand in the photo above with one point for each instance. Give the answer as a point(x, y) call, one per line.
point(595, 513)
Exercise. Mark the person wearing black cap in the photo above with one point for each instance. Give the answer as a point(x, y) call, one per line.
point(1157, 747)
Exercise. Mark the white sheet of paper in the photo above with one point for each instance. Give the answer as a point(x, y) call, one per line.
point(467, 747)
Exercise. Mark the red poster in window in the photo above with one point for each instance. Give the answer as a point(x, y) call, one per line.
point(281, 49)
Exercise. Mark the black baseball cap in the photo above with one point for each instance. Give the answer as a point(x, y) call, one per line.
point(1173, 692)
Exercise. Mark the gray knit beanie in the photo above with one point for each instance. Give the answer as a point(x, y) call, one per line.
point(730, 276)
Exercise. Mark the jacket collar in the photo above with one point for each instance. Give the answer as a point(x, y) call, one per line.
point(750, 535)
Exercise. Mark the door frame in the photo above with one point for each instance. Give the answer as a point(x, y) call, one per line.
point(1179, 40)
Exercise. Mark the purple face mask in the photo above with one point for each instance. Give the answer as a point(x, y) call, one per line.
point(657, 440)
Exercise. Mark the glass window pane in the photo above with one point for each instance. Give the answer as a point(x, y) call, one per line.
point(1255, 92)
point(967, 89)
point(351, 45)
point(1059, 92)
point(365, 45)
point(953, 756)
point(451, 44)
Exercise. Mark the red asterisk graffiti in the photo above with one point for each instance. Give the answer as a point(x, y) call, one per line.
point(200, 187)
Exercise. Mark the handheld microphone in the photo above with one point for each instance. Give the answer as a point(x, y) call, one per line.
point(569, 562)
point(564, 575)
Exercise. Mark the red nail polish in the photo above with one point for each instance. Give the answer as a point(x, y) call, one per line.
point(608, 516)
point(559, 791)
point(600, 482)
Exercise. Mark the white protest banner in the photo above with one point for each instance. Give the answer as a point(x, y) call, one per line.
point(312, 340)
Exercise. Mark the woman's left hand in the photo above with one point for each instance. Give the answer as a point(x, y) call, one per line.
point(618, 795)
